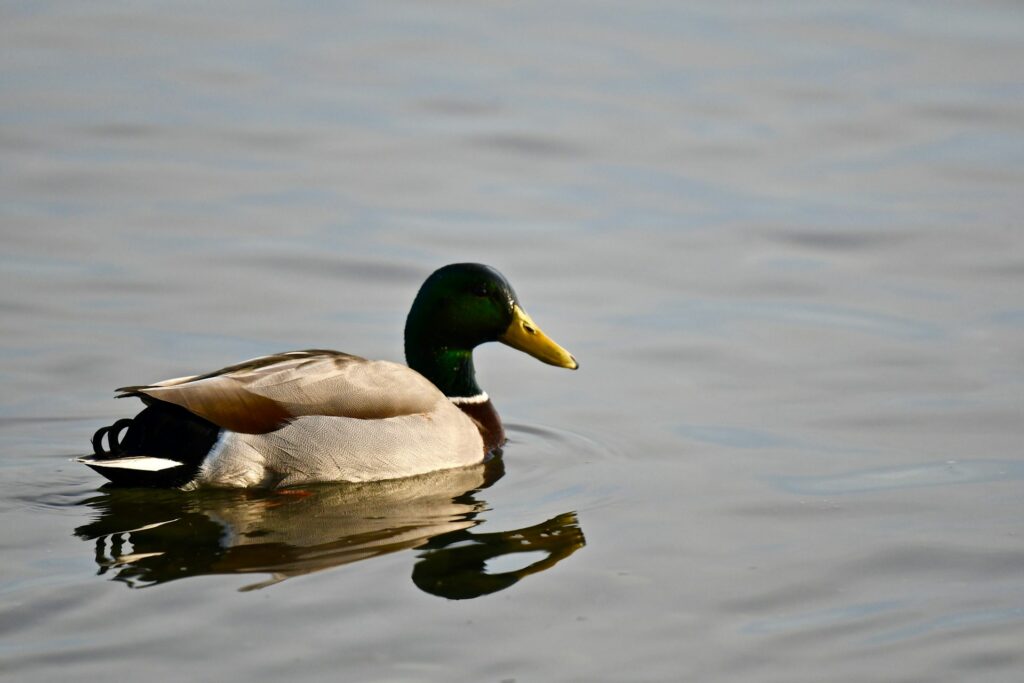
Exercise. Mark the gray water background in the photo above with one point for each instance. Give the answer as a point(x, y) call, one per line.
point(783, 239)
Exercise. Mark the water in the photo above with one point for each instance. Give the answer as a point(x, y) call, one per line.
point(783, 241)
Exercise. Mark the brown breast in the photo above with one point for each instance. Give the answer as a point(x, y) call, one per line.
point(487, 420)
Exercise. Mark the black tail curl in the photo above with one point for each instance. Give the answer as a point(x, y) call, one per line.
point(115, 447)
point(162, 431)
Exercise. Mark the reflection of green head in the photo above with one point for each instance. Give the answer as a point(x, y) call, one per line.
point(454, 565)
point(459, 307)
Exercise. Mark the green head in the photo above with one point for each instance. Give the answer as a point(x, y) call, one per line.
point(459, 307)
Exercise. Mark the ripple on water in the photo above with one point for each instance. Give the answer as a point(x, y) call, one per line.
point(55, 484)
point(546, 465)
point(950, 472)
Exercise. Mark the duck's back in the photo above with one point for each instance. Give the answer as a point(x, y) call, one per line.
point(262, 394)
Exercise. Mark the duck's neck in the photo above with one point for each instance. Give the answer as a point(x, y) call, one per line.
point(451, 370)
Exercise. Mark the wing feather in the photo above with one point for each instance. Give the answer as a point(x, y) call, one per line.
point(263, 394)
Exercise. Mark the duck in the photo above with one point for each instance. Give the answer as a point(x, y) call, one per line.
point(315, 416)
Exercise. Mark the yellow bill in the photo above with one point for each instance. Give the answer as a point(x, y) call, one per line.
point(523, 334)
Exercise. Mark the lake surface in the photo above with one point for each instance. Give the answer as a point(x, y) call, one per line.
point(783, 240)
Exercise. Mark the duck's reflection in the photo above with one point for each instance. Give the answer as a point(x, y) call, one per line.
point(146, 536)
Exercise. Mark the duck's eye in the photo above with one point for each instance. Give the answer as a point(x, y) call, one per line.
point(481, 291)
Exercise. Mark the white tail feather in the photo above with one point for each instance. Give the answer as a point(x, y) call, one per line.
point(133, 462)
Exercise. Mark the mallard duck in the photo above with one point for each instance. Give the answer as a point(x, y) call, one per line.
point(301, 417)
